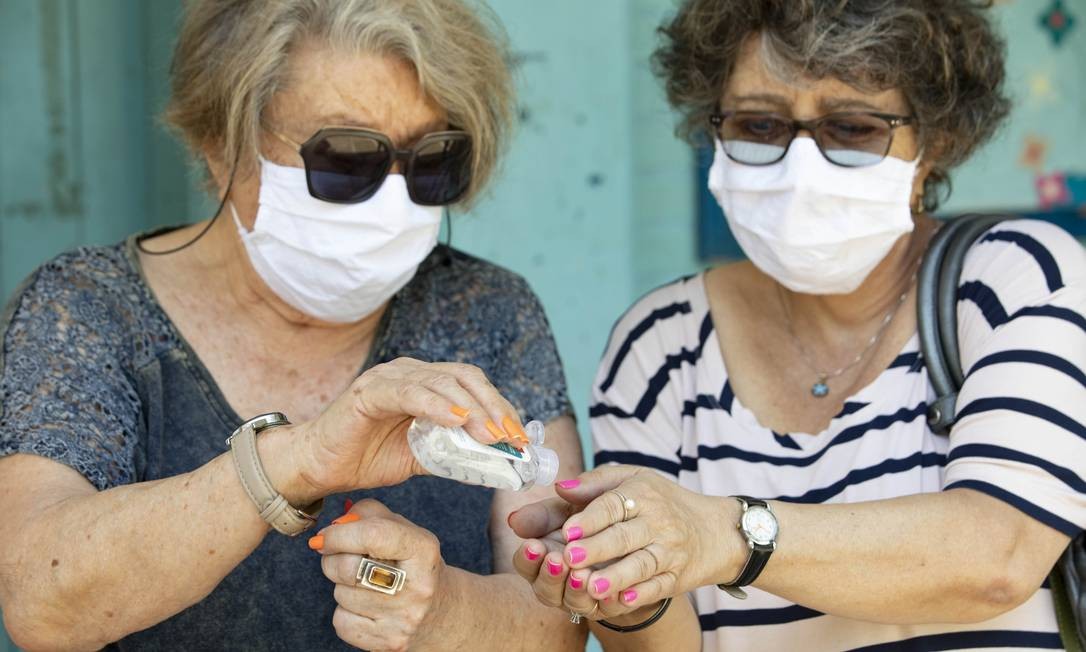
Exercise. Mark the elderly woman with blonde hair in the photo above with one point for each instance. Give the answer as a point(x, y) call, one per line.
point(335, 134)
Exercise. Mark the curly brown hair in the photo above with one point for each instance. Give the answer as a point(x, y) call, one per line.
point(943, 55)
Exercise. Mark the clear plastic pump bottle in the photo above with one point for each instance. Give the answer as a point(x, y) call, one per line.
point(452, 453)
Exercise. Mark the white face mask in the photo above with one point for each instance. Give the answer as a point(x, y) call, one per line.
point(815, 227)
point(336, 262)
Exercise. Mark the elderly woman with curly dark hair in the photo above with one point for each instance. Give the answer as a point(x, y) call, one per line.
point(768, 415)
point(146, 505)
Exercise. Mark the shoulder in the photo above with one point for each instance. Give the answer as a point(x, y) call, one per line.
point(459, 307)
point(90, 296)
point(455, 278)
point(674, 308)
point(1020, 263)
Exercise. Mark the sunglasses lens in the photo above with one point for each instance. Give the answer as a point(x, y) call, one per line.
point(441, 172)
point(345, 167)
point(854, 140)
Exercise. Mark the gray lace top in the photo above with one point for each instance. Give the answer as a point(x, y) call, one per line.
point(93, 374)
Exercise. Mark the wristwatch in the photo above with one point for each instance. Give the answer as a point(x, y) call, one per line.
point(273, 507)
point(758, 525)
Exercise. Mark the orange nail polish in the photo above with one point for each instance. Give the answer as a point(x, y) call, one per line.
point(347, 518)
point(493, 428)
point(513, 428)
point(460, 412)
point(317, 542)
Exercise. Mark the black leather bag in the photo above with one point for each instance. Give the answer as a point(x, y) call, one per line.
point(937, 324)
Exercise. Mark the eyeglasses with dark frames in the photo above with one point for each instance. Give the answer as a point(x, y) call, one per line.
point(348, 165)
point(849, 139)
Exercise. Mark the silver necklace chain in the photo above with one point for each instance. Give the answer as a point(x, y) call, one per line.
point(820, 388)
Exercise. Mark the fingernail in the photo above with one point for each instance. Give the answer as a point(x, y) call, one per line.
point(629, 596)
point(577, 555)
point(460, 412)
point(317, 542)
point(513, 428)
point(532, 555)
point(554, 568)
point(347, 518)
point(575, 582)
point(574, 533)
point(509, 519)
point(601, 585)
point(347, 505)
point(493, 429)
point(570, 484)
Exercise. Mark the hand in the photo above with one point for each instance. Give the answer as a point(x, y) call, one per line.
point(673, 541)
point(360, 439)
point(368, 619)
point(539, 559)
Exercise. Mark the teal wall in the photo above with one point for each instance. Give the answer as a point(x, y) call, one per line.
point(595, 205)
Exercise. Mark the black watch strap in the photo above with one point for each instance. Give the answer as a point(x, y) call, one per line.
point(759, 556)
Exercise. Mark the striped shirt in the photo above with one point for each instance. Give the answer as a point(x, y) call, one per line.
point(663, 400)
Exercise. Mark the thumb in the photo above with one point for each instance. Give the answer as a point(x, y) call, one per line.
point(537, 520)
point(592, 484)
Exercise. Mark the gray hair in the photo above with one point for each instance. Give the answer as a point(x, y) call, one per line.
point(943, 55)
point(231, 57)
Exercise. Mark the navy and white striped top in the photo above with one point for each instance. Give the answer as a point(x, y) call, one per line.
point(663, 400)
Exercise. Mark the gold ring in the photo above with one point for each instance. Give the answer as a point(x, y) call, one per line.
point(381, 577)
point(627, 504)
point(575, 617)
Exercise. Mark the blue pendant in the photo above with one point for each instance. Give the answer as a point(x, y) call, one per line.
point(820, 389)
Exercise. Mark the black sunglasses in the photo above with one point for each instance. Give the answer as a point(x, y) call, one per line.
point(347, 165)
point(850, 140)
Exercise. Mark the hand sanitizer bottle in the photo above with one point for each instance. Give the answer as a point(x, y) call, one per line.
point(450, 452)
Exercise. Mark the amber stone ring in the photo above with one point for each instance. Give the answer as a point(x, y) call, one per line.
point(379, 576)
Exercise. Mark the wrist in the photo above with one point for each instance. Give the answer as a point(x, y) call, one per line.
point(727, 551)
point(285, 465)
point(636, 617)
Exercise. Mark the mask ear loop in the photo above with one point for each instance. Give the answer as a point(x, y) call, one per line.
point(214, 218)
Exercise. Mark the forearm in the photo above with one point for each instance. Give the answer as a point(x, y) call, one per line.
point(957, 556)
point(677, 631)
point(497, 612)
point(97, 566)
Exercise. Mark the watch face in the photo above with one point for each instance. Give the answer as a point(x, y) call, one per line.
point(760, 525)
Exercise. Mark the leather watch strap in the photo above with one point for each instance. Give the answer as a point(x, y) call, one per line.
point(756, 561)
point(272, 506)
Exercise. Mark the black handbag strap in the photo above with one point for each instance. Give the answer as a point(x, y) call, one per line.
point(937, 312)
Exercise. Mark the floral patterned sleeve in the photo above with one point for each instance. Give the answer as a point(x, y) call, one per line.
point(66, 390)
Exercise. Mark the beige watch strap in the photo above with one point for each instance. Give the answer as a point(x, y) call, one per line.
point(273, 507)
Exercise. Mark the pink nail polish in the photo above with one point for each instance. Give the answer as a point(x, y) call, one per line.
point(532, 555)
point(574, 533)
point(575, 582)
point(601, 584)
point(570, 484)
point(577, 555)
point(629, 596)
point(553, 568)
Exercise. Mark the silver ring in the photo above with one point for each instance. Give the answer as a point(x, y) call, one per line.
point(380, 577)
point(627, 504)
point(575, 617)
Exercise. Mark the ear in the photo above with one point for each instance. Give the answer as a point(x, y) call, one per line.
point(929, 157)
point(217, 168)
